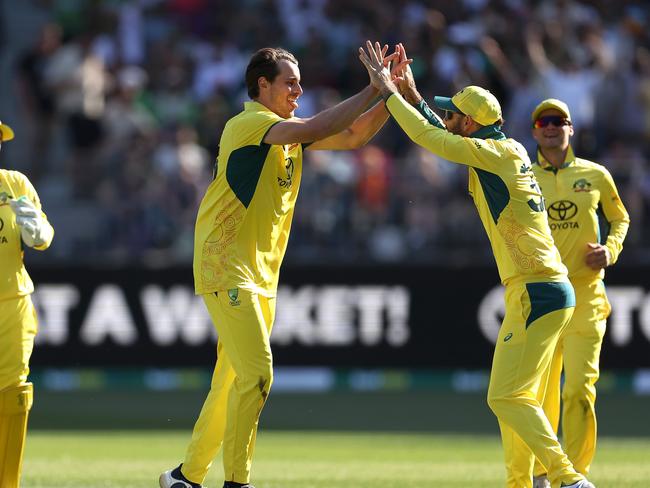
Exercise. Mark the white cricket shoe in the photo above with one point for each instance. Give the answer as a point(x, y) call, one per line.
point(175, 479)
point(541, 482)
point(580, 484)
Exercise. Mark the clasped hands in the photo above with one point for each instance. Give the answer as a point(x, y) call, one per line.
point(388, 74)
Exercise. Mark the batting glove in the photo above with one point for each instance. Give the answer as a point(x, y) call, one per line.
point(34, 230)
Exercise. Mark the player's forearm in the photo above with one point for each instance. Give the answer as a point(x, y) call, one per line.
point(341, 116)
point(434, 139)
point(367, 125)
point(410, 94)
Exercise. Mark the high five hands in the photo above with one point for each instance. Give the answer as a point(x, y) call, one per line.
point(385, 71)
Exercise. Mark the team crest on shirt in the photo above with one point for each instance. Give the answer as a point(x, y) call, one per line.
point(581, 185)
point(233, 294)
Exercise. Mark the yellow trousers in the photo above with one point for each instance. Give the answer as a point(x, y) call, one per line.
point(17, 331)
point(240, 385)
point(578, 353)
point(536, 314)
point(18, 327)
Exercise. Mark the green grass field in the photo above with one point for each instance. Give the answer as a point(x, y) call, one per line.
point(317, 459)
point(418, 439)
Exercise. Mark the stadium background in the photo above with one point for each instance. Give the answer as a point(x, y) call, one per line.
point(390, 293)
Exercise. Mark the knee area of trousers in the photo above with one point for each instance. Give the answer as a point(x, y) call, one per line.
point(262, 377)
point(577, 392)
point(496, 403)
point(16, 400)
point(501, 403)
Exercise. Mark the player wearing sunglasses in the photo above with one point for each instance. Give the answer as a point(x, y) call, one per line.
point(538, 296)
point(579, 196)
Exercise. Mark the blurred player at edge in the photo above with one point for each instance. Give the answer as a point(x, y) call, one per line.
point(242, 231)
point(22, 222)
point(577, 193)
point(539, 297)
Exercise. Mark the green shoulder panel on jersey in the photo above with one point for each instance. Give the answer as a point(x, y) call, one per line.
point(244, 169)
point(548, 297)
point(495, 191)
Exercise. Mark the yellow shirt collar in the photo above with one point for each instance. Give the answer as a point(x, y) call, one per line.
point(568, 159)
point(256, 106)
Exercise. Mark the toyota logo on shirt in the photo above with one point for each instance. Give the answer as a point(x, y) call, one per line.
point(562, 210)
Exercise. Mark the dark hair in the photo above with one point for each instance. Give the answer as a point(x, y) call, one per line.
point(265, 63)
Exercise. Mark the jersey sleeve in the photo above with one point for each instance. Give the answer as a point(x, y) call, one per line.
point(255, 128)
point(28, 190)
point(430, 115)
point(616, 215)
point(469, 151)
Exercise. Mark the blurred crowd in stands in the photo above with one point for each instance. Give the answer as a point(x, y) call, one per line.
point(121, 105)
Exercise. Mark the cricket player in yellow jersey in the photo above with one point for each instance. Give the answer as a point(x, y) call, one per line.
point(539, 297)
point(242, 231)
point(22, 223)
point(578, 194)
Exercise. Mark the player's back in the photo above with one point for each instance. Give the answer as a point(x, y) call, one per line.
point(504, 189)
point(512, 209)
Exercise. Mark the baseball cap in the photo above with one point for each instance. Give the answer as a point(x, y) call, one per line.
point(550, 103)
point(474, 101)
point(7, 132)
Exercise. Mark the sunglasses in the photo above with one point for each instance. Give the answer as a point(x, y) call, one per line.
point(556, 120)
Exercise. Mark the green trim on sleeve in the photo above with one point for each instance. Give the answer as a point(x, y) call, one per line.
point(429, 114)
point(387, 97)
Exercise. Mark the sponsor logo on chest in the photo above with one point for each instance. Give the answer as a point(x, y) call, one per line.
point(560, 214)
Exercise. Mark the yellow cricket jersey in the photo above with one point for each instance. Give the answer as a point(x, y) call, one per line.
point(580, 197)
point(504, 189)
point(14, 280)
point(243, 224)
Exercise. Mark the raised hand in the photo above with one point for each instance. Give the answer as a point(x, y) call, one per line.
point(377, 67)
point(404, 79)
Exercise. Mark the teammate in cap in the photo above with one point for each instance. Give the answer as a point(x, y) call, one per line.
point(539, 297)
point(580, 197)
point(22, 223)
point(241, 236)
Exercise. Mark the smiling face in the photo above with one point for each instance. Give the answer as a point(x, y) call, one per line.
point(281, 95)
point(552, 136)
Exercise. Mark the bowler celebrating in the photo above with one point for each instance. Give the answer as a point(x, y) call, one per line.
point(242, 231)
